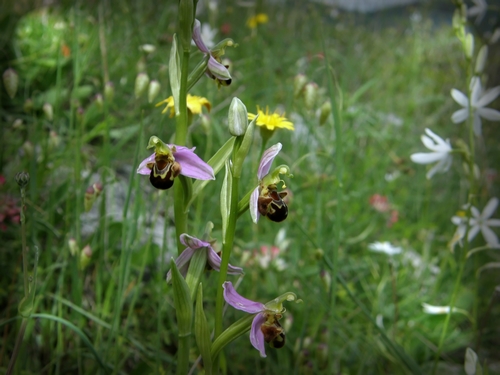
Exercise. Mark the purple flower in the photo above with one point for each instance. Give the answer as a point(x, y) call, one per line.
point(215, 69)
point(265, 325)
point(169, 161)
point(213, 259)
point(265, 199)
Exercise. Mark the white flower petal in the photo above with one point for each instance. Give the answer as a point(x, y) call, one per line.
point(488, 97)
point(439, 167)
point(475, 212)
point(493, 222)
point(460, 115)
point(477, 124)
point(490, 208)
point(489, 236)
point(473, 232)
point(427, 157)
point(460, 97)
point(489, 114)
point(477, 90)
point(441, 144)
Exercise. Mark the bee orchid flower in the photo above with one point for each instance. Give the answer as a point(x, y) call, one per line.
point(265, 199)
point(265, 325)
point(169, 161)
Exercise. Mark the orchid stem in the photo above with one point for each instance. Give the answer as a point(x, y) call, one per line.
point(180, 139)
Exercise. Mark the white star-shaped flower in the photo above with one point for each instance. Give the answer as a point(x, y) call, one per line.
point(385, 247)
point(479, 100)
point(441, 153)
point(480, 221)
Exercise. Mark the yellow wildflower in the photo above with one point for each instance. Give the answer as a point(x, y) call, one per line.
point(271, 121)
point(194, 104)
point(252, 22)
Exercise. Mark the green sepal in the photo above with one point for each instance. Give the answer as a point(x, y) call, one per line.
point(225, 198)
point(242, 152)
point(174, 72)
point(216, 162)
point(186, 21)
point(182, 302)
point(197, 266)
point(25, 307)
point(202, 333)
point(220, 48)
point(197, 72)
point(234, 331)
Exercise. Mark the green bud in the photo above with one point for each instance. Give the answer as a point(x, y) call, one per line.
point(85, 257)
point(481, 59)
point(17, 124)
point(174, 71)
point(141, 84)
point(324, 112)
point(28, 105)
point(11, 82)
point(326, 280)
point(182, 302)
point(225, 198)
point(48, 111)
point(73, 247)
point(299, 82)
point(22, 179)
point(54, 140)
point(99, 101)
point(153, 90)
point(319, 254)
point(245, 145)
point(28, 149)
point(109, 91)
point(310, 95)
point(206, 124)
point(141, 65)
point(469, 45)
point(238, 117)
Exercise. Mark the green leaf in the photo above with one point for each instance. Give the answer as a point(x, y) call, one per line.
point(197, 266)
point(182, 302)
point(242, 152)
point(225, 198)
point(202, 333)
point(234, 331)
point(216, 162)
point(174, 71)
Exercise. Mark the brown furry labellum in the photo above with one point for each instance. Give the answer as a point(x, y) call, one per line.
point(272, 205)
point(274, 334)
point(163, 173)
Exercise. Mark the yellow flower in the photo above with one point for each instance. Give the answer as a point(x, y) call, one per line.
point(271, 121)
point(252, 22)
point(194, 104)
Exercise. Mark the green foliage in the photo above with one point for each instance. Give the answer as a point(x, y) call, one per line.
point(116, 314)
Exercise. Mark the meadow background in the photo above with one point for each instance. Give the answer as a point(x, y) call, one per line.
point(394, 71)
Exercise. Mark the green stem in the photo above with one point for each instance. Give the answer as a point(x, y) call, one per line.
point(183, 355)
point(17, 346)
point(226, 252)
point(180, 139)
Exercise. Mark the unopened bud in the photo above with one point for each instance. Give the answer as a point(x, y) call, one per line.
point(147, 48)
point(54, 140)
point(99, 101)
point(22, 179)
point(28, 105)
point(326, 280)
point(299, 83)
point(206, 123)
point(469, 45)
point(310, 95)
point(73, 246)
point(91, 194)
point(481, 59)
point(319, 254)
point(11, 82)
point(238, 117)
point(17, 124)
point(109, 91)
point(141, 65)
point(141, 84)
point(48, 111)
point(153, 90)
point(322, 355)
point(85, 256)
point(28, 149)
point(324, 112)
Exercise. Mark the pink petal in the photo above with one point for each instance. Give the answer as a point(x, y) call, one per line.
point(181, 262)
point(191, 164)
point(254, 205)
point(256, 335)
point(214, 261)
point(197, 37)
point(192, 242)
point(267, 159)
point(143, 168)
point(240, 303)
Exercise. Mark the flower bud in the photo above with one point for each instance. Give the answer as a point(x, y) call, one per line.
point(109, 91)
point(85, 256)
point(28, 105)
point(17, 124)
point(48, 111)
point(54, 140)
point(11, 82)
point(99, 101)
point(153, 90)
point(22, 179)
point(28, 149)
point(324, 112)
point(141, 65)
point(469, 45)
point(322, 355)
point(310, 95)
point(481, 59)
point(319, 254)
point(141, 84)
point(238, 117)
point(147, 48)
point(206, 124)
point(326, 280)
point(91, 194)
point(73, 246)
point(299, 83)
